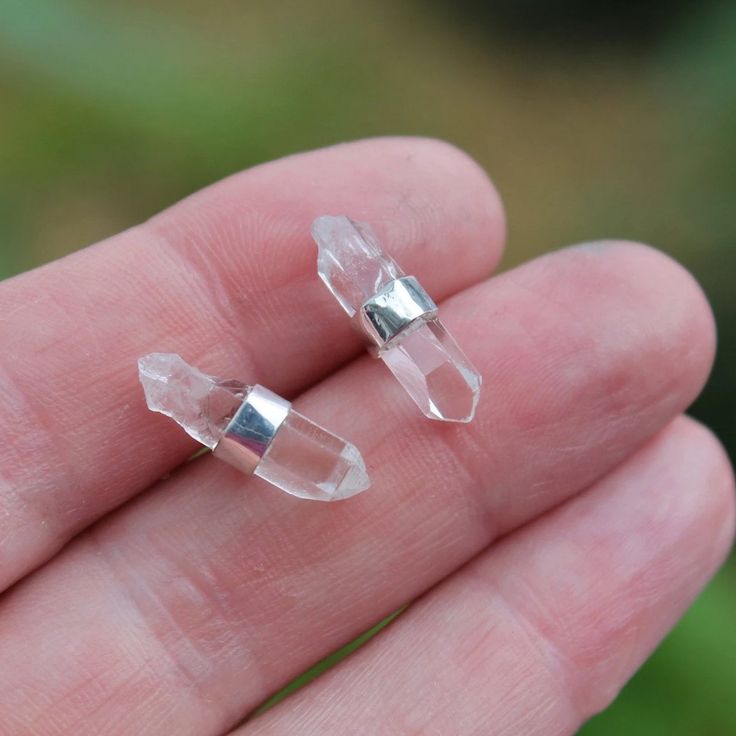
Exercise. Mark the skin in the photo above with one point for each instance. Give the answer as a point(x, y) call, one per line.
point(548, 546)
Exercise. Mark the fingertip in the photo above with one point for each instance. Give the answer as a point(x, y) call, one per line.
point(686, 301)
point(668, 304)
point(713, 498)
point(469, 181)
point(445, 202)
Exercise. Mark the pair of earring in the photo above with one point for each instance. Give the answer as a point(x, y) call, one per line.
point(258, 432)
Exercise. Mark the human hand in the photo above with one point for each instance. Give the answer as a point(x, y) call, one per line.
point(553, 541)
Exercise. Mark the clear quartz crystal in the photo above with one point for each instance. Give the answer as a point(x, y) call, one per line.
point(433, 370)
point(303, 458)
point(424, 358)
point(201, 405)
point(306, 460)
point(350, 261)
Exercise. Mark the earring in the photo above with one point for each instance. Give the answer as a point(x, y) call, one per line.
point(254, 430)
point(397, 319)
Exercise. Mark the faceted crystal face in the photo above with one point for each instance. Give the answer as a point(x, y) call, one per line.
point(307, 461)
point(429, 364)
point(423, 356)
point(202, 405)
point(350, 261)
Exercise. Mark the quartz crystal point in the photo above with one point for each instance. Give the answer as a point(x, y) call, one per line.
point(423, 356)
point(200, 404)
point(300, 458)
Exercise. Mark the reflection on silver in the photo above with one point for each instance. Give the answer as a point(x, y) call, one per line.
point(252, 429)
point(392, 310)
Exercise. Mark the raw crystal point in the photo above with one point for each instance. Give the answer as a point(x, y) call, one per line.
point(350, 261)
point(302, 459)
point(424, 357)
point(200, 404)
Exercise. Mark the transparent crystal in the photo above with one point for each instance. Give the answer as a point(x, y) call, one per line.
point(433, 370)
point(201, 405)
point(306, 460)
point(350, 261)
point(425, 358)
point(303, 458)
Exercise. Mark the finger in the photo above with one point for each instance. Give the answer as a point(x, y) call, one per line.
point(541, 631)
point(193, 604)
point(228, 279)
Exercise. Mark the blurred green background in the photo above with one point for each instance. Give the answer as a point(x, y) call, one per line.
point(602, 119)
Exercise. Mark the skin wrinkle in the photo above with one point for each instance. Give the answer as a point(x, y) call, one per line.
point(12, 514)
point(32, 500)
point(210, 287)
point(553, 659)
point(115, 724)
point(203, 581)
point(210, 244)
point(63, 727)
point(425, 219)
point(9, 315)
point(229, 617)
point(186, 674)
point(54, 714)
point(94, 349)
point(223, 599)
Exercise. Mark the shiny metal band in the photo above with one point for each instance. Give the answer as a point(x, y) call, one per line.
point(388, 313)
point(251, 430)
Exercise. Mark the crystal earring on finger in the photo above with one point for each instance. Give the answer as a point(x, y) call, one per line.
point(397, 319)
point(254, 430)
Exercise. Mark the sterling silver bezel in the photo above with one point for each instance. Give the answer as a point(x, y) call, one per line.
point(250, 432)
point(392, 310)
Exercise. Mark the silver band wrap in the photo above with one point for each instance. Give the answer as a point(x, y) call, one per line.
point(388, 313)
point(251, 430)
